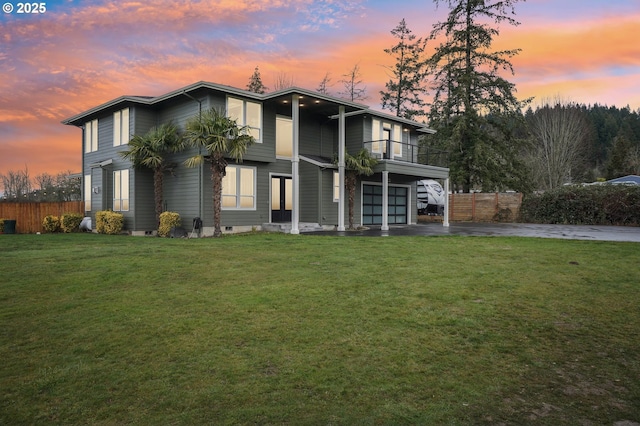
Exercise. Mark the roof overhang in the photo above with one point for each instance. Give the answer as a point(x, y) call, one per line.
point(102, 163)
point(419, 127)
point(318, 101)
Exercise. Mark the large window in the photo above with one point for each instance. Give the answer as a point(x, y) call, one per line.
point(121, 132)
point(239, 188)
point(91, 136)
point(284, 137)
point(246, 113)
point(87, 193)
point(121, 190)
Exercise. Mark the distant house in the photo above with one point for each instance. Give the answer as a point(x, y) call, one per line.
point(289, 176)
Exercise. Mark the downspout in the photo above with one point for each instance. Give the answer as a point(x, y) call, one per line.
point(201, 168)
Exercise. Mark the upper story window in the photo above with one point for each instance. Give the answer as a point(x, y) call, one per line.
point(284, 137)
point(246, 113)
point(381, 132)
point(121, 132)
point(91, 136)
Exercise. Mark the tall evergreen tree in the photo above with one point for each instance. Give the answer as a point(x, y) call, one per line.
point(474, 106)
point(405, 89)
point(255, 83)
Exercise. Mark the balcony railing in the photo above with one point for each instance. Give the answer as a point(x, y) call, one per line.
point(400, 151)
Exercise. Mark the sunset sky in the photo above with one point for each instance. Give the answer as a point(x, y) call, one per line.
point(81, 53)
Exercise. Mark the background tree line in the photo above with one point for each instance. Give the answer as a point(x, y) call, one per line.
point(19, 186)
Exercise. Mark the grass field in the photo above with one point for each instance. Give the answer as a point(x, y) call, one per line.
point(280, 329)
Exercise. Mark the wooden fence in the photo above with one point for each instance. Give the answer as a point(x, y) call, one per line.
point(481, 207)
point(29, 216)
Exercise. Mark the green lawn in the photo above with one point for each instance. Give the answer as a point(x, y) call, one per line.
point(280, 329)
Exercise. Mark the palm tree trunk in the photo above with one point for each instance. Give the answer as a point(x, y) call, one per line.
point(350, 183)
point(216, 177)
point(157, 191)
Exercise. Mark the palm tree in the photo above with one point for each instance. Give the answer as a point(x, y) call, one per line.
point(221, 137)
point(360, 164)
point(151, 151)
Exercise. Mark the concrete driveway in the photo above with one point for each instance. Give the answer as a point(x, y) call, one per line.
point(570, 232)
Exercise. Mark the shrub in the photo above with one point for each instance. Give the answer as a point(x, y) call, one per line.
point(168, 220)
point(108, 222)
point(51, 223)
point(70, 222)
point(584, 205)
point(1, 226)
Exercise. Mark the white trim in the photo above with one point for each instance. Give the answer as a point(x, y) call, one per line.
point(295, 164)
point(244, 114)
point(385, 201)
point(121, 127)
point(289, 119)
point(445, 220)
point(318, 163)
point(341, 166)
point(238, 186)
point(91, 136)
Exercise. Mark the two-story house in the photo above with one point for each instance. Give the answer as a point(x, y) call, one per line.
point(293, 174)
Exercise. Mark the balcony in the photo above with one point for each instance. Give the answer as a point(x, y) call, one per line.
point(409, 153)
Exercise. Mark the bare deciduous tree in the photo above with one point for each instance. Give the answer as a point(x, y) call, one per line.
point(559, 136)
point(283, 81)
point(323, 87)
point(16, 184)
point(352, 82)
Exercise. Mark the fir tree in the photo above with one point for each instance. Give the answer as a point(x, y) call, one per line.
point(255, 83)
point(474, 106)
point(406, 87)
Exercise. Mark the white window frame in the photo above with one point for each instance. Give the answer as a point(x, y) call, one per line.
point(87, 193)
point(121, 129)
point(91, 136)
point(336, 186)
point(396, 132)
point(283, 118)
point(121, 193)
point(255, 131)
point(237, 169)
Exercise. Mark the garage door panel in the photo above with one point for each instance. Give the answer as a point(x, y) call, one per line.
point(372, 205)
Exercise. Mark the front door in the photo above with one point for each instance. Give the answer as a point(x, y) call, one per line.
point(281, 198)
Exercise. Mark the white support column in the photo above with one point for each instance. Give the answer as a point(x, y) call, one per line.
point(445, 219)
point(341, 167)
point(385, 201)
point(295, 163)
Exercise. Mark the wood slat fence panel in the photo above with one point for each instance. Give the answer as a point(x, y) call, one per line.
point(29, 216)
point(481, 207)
